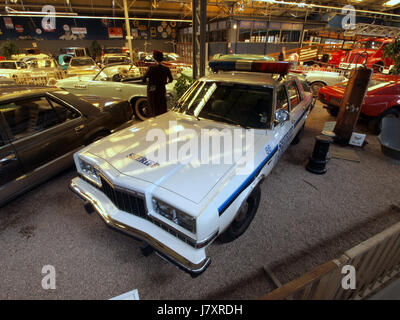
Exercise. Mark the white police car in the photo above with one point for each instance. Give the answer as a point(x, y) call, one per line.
point(179, 207)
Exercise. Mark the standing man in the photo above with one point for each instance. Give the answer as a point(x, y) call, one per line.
point(158, 76)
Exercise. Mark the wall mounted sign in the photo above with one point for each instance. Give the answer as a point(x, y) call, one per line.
point(76, 30)
point(19, 28)
point(115, 32)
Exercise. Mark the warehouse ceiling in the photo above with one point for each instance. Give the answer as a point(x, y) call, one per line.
point(293, 9)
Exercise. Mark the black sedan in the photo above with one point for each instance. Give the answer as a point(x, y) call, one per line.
point(41, 128)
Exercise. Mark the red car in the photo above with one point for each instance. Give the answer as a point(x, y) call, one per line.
point(373, 48)
point(382, 99)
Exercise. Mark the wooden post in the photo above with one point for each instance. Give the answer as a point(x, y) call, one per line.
point(350, 107)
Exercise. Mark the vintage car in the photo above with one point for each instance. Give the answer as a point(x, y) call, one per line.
point(382, 99)
point(120, 81)
point(40, 129)
point(179, 206)
point(82, 66)
point(171, 60)
point(114, 59)
point(369, 51)
point(318, 79)
point(64, 60)
point(335, 57)
point(75, 51)
point(44, 71)
point(13, 69)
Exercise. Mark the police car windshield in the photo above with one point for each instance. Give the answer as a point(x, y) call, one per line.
point(245, 105)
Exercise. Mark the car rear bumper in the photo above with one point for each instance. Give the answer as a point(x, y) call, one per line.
point(191, 260)
point(346, 65)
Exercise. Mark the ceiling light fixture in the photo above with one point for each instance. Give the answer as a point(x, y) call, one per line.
point(392, 3)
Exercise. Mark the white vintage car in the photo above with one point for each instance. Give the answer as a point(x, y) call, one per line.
point(318, 79)
point(44, 72)
point(82, 66)
point(178, 206)
point(13, 69)
point(120, 81)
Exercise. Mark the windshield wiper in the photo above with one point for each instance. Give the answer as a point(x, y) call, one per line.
point(228, 119)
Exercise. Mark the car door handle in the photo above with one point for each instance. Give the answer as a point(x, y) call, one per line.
point(79, 128)
point(9, 158)
point(118, 89)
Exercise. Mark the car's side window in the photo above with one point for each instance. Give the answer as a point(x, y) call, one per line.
point(64, 113)
point(2, 137)
point(282, 99)
point(27, 117)
point(294, 94)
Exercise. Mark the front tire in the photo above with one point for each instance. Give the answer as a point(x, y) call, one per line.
point(141, 109)
point(333, 111)
point(316, 86)
point(243, 219)
point(375, 125)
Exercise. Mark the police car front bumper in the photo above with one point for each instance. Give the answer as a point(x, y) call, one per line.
point(191, 260)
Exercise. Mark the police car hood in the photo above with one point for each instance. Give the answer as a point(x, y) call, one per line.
point(133, 152)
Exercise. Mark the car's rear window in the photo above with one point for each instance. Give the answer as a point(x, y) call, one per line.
point(81, 62)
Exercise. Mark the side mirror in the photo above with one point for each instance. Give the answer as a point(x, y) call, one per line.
point(282, 116)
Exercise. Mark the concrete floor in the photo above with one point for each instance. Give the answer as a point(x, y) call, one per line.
point(303, 221)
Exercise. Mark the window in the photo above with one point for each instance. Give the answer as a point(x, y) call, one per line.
point(293, 94)
point(22, 65)
point(29, 116)
point(64, 113)
point(239, 104)
point(282, 99)
point(8, 65)
point(82, 62)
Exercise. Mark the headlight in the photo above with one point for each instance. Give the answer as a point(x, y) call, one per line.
point(89, 172)
point(178, 217)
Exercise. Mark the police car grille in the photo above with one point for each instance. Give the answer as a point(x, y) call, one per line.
point(124, 200)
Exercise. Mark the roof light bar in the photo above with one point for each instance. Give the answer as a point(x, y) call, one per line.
point(276, 67)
